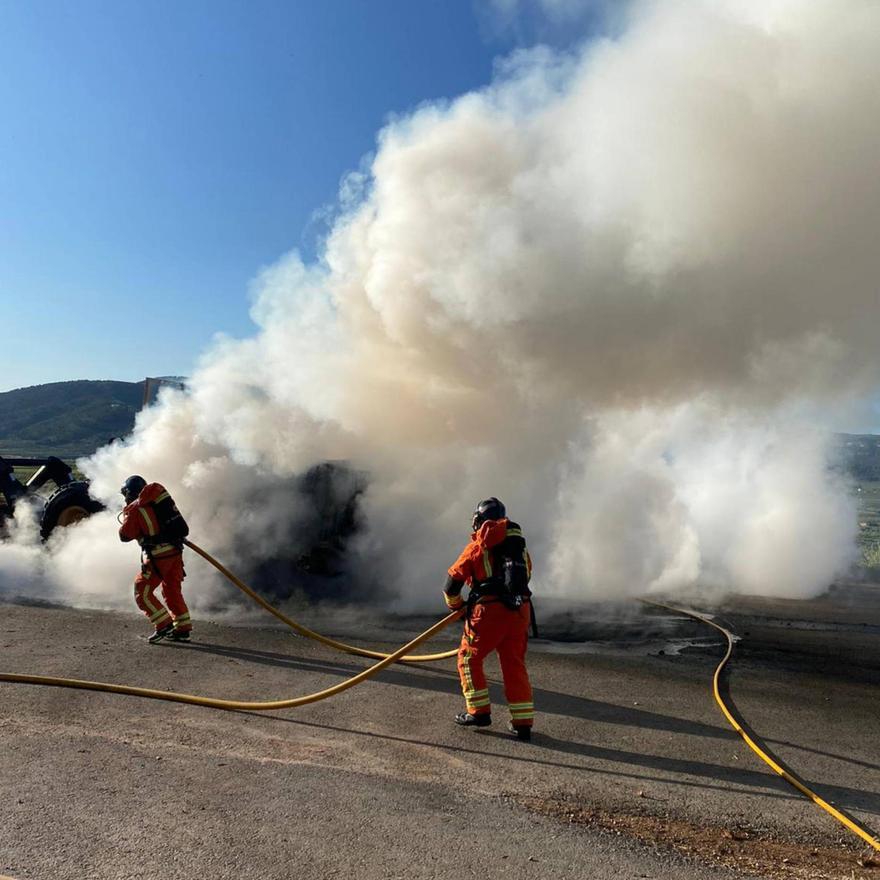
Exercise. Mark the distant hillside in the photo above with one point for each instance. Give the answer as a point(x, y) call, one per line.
point(72, 419)
point(67, 419)
point(860, 456)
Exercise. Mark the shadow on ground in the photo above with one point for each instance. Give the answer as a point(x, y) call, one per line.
point(569, 705)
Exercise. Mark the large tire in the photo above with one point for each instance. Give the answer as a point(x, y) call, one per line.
point(67, 505)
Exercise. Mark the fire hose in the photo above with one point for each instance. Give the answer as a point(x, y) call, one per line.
point(400, 654)
point(753, 741)
point(233, 705)
point(304, 631)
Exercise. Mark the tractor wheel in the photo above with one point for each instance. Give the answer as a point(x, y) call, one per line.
point(68, 505)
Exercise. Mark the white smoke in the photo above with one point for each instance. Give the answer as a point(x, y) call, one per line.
point(629, 291)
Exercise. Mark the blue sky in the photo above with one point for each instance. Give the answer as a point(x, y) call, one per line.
point(155, 155)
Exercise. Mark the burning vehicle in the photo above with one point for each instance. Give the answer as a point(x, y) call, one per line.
point(331, 489)
point(70, 502)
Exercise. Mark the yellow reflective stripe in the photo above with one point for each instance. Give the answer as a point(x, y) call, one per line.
point(161, 548)
point(475, 699)
point(515, 533)
point(487, 564)
point(157, 612)
point(182, 618)
point(146, 517)
point(521, 705)
point(162, 497)
point(145, 598)
point(469, 682)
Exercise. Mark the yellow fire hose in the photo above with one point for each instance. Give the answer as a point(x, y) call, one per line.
point(304, 631)
point(232, 704)
point(384, 660)
point(754, 742)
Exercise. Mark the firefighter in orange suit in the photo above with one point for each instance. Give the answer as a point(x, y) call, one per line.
point(497, 568)
point(152, 519)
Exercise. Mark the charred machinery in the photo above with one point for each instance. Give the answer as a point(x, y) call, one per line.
point(68, 503)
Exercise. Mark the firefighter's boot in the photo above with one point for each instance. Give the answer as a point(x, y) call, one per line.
point(465, 719)
point(160, 634)
point(520, 731)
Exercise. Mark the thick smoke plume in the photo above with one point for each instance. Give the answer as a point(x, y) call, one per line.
point(628, 290)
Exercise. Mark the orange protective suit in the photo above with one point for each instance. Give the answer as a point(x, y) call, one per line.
point(491, 625)
point(160, 563)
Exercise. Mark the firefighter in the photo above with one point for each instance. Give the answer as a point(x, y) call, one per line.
point(497, 568)
point(152, 519)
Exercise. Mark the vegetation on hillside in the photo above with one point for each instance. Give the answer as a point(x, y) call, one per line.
point(67, 419)
point(860, 456)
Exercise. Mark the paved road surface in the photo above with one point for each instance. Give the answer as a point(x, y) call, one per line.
point(630, 767)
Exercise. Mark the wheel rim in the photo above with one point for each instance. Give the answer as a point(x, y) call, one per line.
point(71, 515)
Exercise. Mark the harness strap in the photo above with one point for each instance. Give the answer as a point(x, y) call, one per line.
point(475, 598)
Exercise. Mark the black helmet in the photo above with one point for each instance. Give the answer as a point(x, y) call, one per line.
point(491, 508)
point(132, 487)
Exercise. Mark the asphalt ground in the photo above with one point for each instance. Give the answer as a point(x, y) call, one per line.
point(632, 771)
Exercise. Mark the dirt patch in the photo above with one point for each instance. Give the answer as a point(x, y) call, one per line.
point(740, 847)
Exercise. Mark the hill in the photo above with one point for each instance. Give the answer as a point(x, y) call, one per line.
point(72, 419)
point(67, 419)
point(860, 456)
